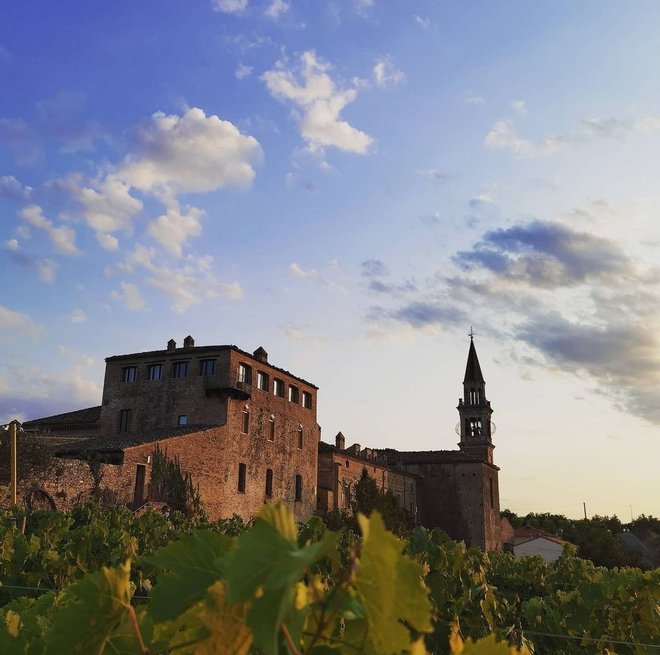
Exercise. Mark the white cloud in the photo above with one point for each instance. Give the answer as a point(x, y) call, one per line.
point(276, 8)
point(187, 284)
point(504, 137)
point(242, 71)
point(63, 238)
point(107, 203)
point(78, 316)
point(12, 244)
point(190, 153)
point(321, 103)
point(425, 23)
point(229, 6)
point(129, 296)
point(296, 271)
point(11, 188)
point(175, 227)
point(519, 106)
point(386, 75)
point(46, 269)
point(15, 324)
point(107, 241)
point(474, 99)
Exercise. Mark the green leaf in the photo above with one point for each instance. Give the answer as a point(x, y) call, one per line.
point(90, 612)
point(391, 588)
point(226, 624)
point(194, 564)
point(267, 556)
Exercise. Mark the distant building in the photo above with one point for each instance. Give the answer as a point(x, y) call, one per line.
point(527, 541)
point(456, 490)
point(247, 432)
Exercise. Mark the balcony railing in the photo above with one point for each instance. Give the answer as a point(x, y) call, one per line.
point(233, 386)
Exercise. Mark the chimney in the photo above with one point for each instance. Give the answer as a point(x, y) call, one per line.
point(188, 342)
point(171, 345)
point(260, 354)
point(340, 441)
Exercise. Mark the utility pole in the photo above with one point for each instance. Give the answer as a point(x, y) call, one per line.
point(584, 505)
point(13, 429)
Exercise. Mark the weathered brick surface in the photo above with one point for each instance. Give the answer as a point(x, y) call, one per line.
point(341, 469)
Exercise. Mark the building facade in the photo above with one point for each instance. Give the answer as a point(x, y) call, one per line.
point(247, 431)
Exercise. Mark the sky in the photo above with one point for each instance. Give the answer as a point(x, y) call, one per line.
point(353, 185)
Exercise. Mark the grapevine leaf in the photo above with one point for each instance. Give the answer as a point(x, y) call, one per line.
point(391, 588)
point(194, 563)
point(267, 556)
point(486, 646)
point(226, 623)
point(89, 612)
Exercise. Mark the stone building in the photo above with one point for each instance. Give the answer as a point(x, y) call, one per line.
point(456, 490)
point(244, 428)
point(340, 469)
point(247, 431)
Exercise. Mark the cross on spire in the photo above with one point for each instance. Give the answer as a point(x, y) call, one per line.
point(471, 334)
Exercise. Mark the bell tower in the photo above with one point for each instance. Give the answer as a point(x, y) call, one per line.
point(474, 410)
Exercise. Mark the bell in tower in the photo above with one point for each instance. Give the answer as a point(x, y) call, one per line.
point(475, 427)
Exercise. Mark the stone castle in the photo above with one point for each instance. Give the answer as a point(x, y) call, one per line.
point(247, 431)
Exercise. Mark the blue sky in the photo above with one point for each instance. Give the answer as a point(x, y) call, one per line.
point(351, 184)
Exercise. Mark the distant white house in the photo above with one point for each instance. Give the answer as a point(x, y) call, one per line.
point(526, 541)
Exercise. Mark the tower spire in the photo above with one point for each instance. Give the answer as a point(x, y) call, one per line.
point(475, 410)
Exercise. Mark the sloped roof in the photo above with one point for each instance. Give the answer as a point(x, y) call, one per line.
point(89, 415)
point(473, 369)
point(120, 443)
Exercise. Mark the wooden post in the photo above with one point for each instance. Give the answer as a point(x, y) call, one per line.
point(12, 433)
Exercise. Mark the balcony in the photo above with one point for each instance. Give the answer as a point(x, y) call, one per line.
point(217, 385)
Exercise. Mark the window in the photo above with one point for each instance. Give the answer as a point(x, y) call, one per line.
point(298, 487)
point(124, 420)
point(293, 394)
point(300, 438)
point(473, 427)
point(307, 400)
point(262, 381)
point(207, 367)
point(492, 495)
point(241, 478)
point(155, 371)
point(278, 388)
point(271, 429)
point(269, 483)
point(180, 370)
point(183, 419)
point(129, 374)
point(245, 427)
point(244, 374)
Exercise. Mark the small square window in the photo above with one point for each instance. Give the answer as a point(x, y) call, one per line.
point(129, 374)
point(307, 400)
point(245, 424)
point(262, 381)
point(242, 472)
point(207, 367)
point(293, 394)
point(278, 388)
point(183, 419)
point(155, 371)
point(180, 370)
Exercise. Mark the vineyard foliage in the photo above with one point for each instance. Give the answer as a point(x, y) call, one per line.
point(108, 582)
